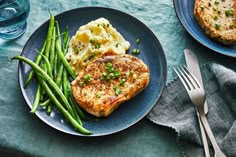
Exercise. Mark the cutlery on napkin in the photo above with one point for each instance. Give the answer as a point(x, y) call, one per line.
point(175, 110)
point(193, 66)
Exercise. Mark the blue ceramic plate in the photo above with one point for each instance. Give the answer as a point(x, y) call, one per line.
point(184, 10)
point(151, 53)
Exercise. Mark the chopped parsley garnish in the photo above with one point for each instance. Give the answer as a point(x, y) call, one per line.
point(202, 7)
point(117, 90)
point(111, 70)
point(98, 95)
point(117, 44)
point(109, 65)
point(92, 41)
point(76, 50)
point(112, 73)
point(87, 78)
point(215, 17)
point(122, 82)
point(215, 7)
point(131, 72)
point(108, 77)
point(97, 46)
point(137, 41)
point(116, 74)
point(229, 12)
point(217, 2)
point(135, 51)
point(217, 26)
point(91, 56)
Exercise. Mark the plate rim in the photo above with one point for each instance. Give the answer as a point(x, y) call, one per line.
point(78, 133)
point(192, 35)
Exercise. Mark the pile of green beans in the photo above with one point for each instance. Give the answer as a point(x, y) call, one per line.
point(52, 71)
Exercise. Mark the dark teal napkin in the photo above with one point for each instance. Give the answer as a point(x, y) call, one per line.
point(176, 111)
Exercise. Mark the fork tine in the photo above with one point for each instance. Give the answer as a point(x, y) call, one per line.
point(193, 79)
point(182, 79)
point(184, 72)
point(186, 78)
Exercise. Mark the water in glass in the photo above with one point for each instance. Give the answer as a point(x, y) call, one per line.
point(13, 18)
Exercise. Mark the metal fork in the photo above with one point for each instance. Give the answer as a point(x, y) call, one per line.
point(198, 97)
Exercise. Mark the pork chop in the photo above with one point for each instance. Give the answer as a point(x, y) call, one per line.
point(108, 81)
point(217, 18)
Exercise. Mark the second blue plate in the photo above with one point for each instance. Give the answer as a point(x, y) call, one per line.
point(184, 11)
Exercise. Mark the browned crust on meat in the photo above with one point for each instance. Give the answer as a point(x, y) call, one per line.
point(211, 14)
point(98, 96)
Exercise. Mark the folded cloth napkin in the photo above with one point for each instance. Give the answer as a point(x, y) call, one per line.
point(176, 111)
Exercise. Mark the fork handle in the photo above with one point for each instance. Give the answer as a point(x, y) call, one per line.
point(218, 152)
point(204, 138)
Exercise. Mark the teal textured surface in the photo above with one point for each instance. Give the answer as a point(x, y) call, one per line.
point(23, 134)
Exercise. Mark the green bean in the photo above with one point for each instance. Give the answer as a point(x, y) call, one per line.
point(45, 48)
point(59, 75)
point(49, 108)
point(45, 103)
point(46, 79)
point(37, 61)
point(65, 81)
point(76, 115)
point(58, 32)
point(58, 36)
point(49, 40)
point(66, 40)
point(48, 65)
point(36, 100)
point(60, 67)
point(62, 109)
point(65, 84)
point(42, 96)
point(64, 61)
point(49, 35)
point(57, 65)
point(72, 102)
point(52, 49)
point(77, 109)
point(66, 91)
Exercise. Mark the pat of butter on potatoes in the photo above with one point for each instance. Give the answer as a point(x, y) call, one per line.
point(96, 39)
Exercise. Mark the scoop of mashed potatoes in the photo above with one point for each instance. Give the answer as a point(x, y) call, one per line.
point(95, 39)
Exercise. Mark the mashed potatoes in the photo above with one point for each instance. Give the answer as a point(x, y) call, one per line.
point(95, 39)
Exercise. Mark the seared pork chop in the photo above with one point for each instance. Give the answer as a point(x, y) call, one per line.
point(217, 18)
point(107, 82)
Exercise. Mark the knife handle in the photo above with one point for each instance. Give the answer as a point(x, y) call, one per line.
point(218, 152)
point(204, 138)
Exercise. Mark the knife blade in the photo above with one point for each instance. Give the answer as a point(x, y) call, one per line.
point(193, 66)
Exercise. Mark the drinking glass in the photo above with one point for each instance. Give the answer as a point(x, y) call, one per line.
point(13, 18)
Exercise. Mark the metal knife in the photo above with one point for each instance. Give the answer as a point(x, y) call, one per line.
point(193, 66)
